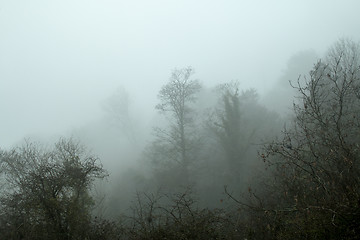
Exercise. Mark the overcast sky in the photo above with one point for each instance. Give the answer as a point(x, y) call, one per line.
point(60, 59)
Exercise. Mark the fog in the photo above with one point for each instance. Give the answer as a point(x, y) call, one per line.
point(61, 63)
point(106, 74)
point(60, 60)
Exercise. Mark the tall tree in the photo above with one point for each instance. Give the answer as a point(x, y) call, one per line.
point(233, 130)
point(228, 126)
point(176, 98)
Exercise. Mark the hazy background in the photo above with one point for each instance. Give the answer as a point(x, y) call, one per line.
point(60, 60)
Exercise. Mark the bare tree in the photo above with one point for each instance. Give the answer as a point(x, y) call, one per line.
point(175, 99)
point(316, 164)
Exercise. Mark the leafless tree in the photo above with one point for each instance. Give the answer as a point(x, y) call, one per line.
point(176, 98)
point(314, 189)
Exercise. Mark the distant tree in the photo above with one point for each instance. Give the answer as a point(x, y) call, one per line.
point(118, 108)
point(238, 123)
point(228, 127)
point(281, 96)
point(48, 191)
point(176, 98)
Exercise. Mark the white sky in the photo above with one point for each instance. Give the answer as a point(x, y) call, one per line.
point(59, 59)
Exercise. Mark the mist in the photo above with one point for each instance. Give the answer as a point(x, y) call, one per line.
point(93, 71)
point(59, 61)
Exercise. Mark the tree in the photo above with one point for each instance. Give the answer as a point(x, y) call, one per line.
point(117, 107)
point(48, 195)
point(238, 124)
point(317, 163)
point(175, 99)
point(228, 126)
